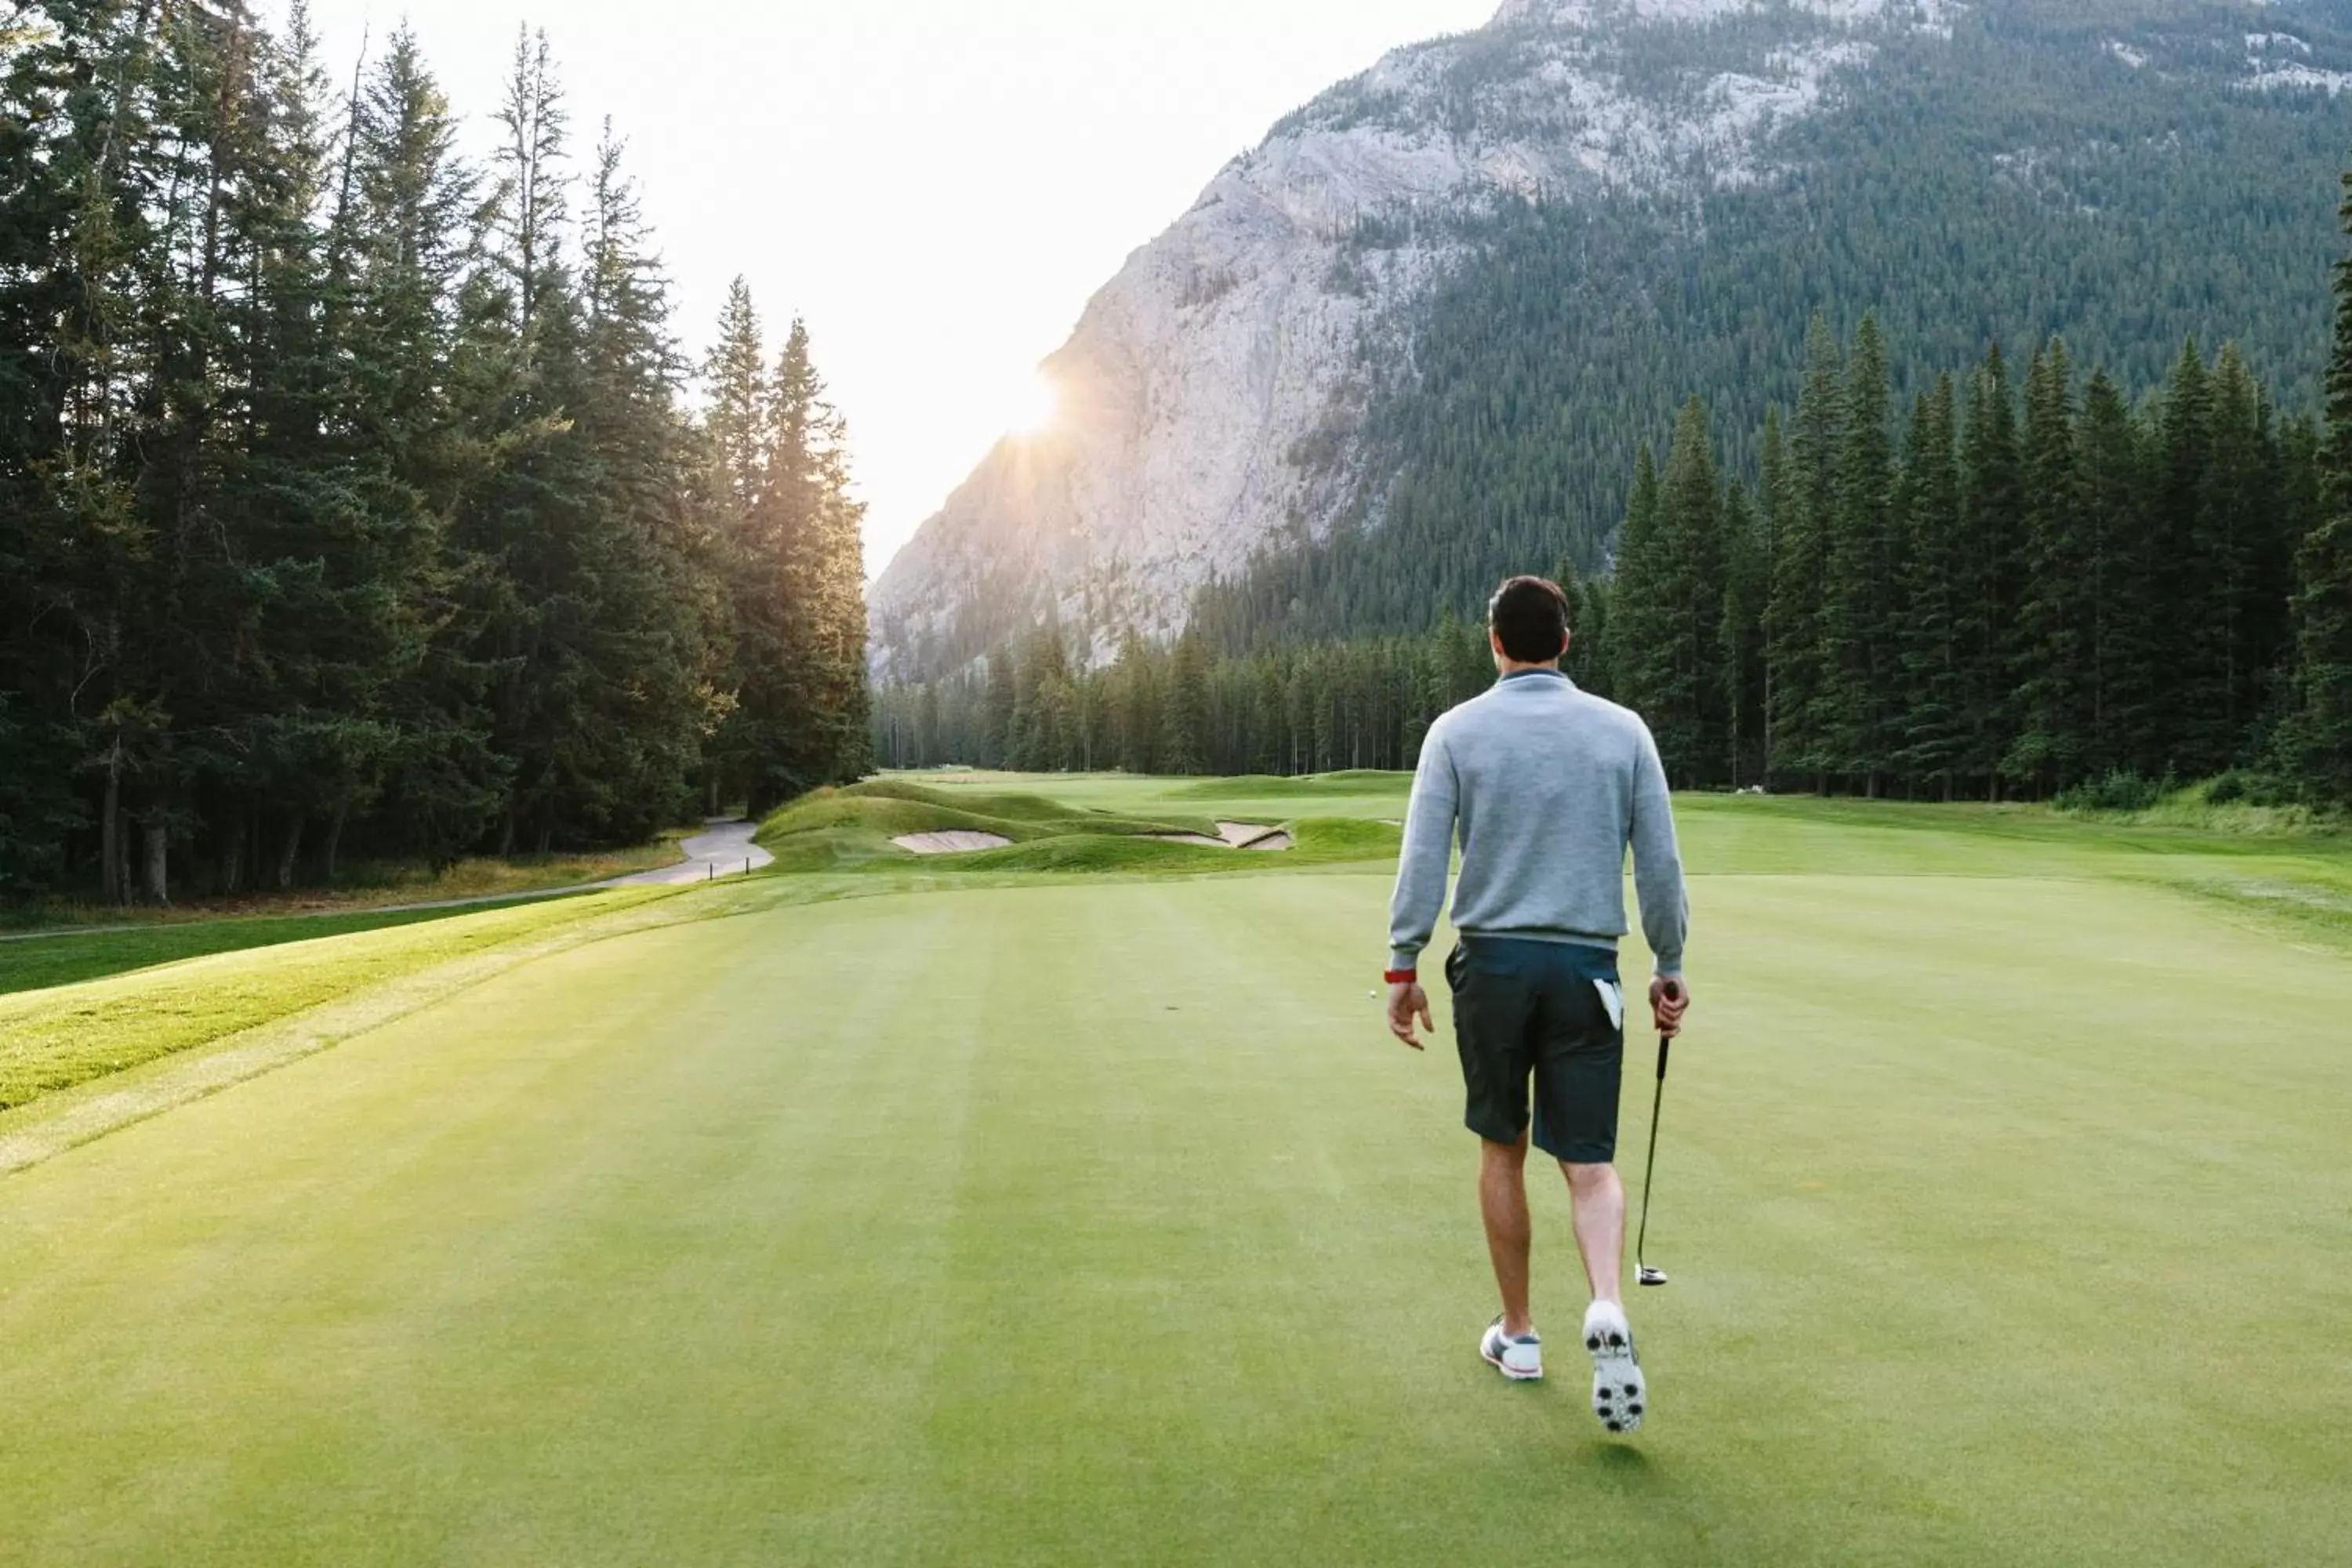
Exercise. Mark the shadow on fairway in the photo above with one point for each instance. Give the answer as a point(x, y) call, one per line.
point(1622, 1462)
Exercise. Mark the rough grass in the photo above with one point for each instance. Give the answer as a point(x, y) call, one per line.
point(62, 1037)
point(364, 886)
point(2195, 807)
point(40, 962)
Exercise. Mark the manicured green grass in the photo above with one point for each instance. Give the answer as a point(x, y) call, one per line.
point(1094, 1220)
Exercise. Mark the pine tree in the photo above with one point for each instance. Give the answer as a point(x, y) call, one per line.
point(1670, 648)
point(2180, 496)
point(1774, 502)
point(1992, 524)
point(2126, 642)
point(1638, 674)
point(802, 707)
point(2053, 619)
point(1746, 579)
point(654, 573)
point(1939, 589)
point(1184, 737)
point(400, 243)
point(2317, 736)
point(1000, 712)
point(1801, 513)
point(2243, 561)
point(1136, 705)
point(1592, 653)
point(1861, 613)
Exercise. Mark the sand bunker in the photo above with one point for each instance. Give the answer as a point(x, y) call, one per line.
point(957, 842)
point(1231, 836)
point(1234, 835)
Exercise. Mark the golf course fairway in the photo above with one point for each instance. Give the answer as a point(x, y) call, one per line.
point(2008, 1204)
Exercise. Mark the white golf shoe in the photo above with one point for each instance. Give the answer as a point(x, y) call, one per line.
point(1517, 1357)
point(1620, 1392)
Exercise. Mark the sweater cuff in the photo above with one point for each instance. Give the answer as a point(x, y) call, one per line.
point(1667, 968)
point(1404, 958)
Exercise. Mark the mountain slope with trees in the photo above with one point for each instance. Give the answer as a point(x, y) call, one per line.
point(2028, 587)
point(1412, 341)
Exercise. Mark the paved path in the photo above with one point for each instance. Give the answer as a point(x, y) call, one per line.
point(724, 849)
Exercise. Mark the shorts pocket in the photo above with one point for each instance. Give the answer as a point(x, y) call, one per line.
point(1612, 1001)
point(1458, 965)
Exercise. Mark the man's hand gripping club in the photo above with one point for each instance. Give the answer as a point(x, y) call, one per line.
point(1669, 999)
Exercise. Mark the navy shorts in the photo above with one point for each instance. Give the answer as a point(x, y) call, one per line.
point(1527, 1010)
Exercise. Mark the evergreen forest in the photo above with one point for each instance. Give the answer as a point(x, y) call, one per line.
point(353, 500)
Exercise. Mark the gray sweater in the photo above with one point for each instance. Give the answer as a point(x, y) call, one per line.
point(1549, 785)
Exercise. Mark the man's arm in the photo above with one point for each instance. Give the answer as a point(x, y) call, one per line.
point(1658, 863)
point(1428, 857)
point(1420, 894)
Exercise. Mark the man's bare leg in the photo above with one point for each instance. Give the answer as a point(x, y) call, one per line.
point(1600, 1202)
point(1503, 1199)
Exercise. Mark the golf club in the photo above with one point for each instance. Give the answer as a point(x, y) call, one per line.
point(1644, 1274)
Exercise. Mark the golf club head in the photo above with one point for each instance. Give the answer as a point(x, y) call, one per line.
point(1649, 1276)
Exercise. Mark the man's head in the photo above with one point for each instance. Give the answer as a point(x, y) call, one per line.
point(1527, 623)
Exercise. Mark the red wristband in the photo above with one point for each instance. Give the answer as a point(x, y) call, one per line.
point(1403, 977)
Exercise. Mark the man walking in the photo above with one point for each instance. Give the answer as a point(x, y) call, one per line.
point(1547, 786)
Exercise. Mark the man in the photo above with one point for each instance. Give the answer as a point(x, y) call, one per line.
point(1548, 787)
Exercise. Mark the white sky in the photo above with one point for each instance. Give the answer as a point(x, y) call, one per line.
point(937, 186)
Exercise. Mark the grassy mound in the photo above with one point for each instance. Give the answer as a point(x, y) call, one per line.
point(1004, 807)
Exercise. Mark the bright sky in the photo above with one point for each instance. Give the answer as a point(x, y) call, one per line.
point(938, 186)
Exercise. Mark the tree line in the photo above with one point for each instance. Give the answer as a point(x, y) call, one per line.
point(2013, 592)
point(2007, 596)
point(1179, 710)
point(352, 499)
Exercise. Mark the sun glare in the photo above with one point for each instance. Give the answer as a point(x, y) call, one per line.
point(1035, 403)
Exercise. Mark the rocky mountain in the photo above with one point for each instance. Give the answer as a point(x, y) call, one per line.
point(1265, 386)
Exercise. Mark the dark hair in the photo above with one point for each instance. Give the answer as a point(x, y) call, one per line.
point(1530, 617)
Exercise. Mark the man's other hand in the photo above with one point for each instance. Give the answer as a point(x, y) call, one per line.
point(1407, 1002)
point(1669, 999)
